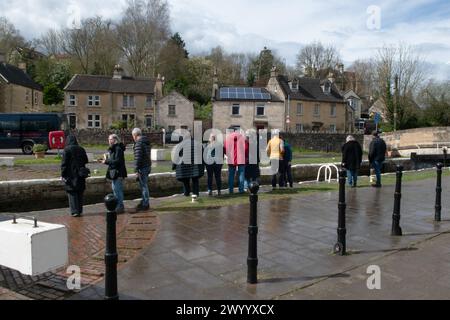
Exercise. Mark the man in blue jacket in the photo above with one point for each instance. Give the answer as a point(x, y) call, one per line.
point(287, 162)
point(377, 156)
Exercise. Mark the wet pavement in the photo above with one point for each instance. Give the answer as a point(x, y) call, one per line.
point(202, 254)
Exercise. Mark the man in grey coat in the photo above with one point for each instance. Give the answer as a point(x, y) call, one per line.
point(142, 166)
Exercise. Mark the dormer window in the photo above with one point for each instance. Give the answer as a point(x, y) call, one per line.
point(327, 87)
point(294, 85)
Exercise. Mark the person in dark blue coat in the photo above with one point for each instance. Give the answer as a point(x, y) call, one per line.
point(287, 162)
point(142, 166)
point(377, 156)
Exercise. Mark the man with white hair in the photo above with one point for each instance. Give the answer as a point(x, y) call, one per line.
point(142, 166)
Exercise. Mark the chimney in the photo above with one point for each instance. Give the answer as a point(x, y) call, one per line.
point(331, 77)
point(118, 72)
point(23, 66)
point(274, 72)
point(159, 87)
point(215, 85)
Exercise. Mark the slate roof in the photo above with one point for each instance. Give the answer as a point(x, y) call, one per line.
point(108, 84)
point(16, 76)
point(309, 89)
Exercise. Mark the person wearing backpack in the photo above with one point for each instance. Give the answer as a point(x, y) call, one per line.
point(117, 170)
point(74, 174)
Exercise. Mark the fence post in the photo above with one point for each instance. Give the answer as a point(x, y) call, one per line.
point(438, 206)
point(396, 229)
point(111, 256)
point(252, 260)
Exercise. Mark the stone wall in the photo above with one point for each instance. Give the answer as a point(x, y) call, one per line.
point(331, 142)
point(97, 136)
point(32, 195)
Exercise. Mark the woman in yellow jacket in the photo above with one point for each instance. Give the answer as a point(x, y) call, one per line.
point(275, 151)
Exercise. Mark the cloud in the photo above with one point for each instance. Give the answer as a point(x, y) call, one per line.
point(284, 25)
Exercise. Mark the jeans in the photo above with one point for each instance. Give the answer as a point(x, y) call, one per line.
point(352, 176)
point(143, 184)
point(76, 202)
point(280, 175)
point(377, 167)
point(117, 187)
point(187, 186)
point(232, 173)
point(214, 171)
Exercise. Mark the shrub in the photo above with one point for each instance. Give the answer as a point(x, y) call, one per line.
point(39, 148)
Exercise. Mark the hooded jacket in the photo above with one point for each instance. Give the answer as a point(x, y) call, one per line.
point(74, 158)
point(116, 162)
point(142, 150)
point(352, 155)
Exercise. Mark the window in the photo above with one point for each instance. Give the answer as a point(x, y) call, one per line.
point(171, 128)
point(94, 121)
point(27, 96)
point(36, 98)
point(260, 110)
point(148, 121)
point(72, 121)
point(129, 119)
point(72, 100)
point(327, 87)
point(317, 110)
point(235, 110)
point(172, 110)
point(299, 109)
point(93, 101)
point(333, 110)
point(299, 127)
point(128, 101)
point(185, 127)
point(148, 102)
point(332, 128)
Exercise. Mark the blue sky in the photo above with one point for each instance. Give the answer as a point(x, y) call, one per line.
point(283, 25)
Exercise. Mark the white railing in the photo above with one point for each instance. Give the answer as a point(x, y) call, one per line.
point(328, 172)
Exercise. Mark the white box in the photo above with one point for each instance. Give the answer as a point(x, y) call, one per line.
point(158, 154)
point(7, 161)
point(33, 251)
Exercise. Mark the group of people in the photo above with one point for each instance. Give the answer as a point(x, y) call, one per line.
point(352, 158)
point(74, 172)
point(242, 162)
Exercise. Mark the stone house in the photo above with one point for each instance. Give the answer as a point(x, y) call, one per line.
point(102, 101)
point(246, 108)
point(18, 92)
point(311, 104)
point(175, 111)
point(354, 101)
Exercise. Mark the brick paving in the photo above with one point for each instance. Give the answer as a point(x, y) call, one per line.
point(86, 250)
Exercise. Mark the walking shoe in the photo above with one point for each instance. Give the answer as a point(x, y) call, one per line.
point(376, 185)
point(76, 215)
point(210, 193)
point(141, 207)
point(120, 210)
point(219, 193)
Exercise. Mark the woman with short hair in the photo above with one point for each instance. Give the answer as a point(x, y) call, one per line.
point(352, 159)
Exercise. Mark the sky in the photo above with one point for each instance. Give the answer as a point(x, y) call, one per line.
point(356, 27)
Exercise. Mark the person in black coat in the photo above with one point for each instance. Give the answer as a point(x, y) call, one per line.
point(117, 170)
point(352, 159)
point(377, 156)
point(214, 164)
point(74, 174)
point(142, 166)
point(189, 167)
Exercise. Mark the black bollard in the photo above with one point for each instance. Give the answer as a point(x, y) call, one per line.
point(252, 259)
point(340, 247)
point(445, 157)
point(396, 229)
point(438, 206)
point(111, 256)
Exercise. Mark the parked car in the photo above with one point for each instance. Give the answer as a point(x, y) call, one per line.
point(24, 130)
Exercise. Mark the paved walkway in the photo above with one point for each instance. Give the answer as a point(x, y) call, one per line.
point(202, 254)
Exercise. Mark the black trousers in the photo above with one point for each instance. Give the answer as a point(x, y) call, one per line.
point(280, 176)
point(289, 178)
point(187, 186)
point(214, 171)
point(76, 202)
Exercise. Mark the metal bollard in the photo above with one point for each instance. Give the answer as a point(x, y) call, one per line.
point(445, 156)
point(340, 247)
point(396, 229)
point(111, 256)
point(438, 206)
point(252, 259)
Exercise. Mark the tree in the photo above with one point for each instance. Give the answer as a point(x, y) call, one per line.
point(53, 94)
point(316, 60)
point(173, 63)
point(179, 42)
point(262, 65)
point(142, 33)
point(10, 38)
point(53, 75)
point(435, 98)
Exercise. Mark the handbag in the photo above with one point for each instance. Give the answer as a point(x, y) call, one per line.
point(113, 174)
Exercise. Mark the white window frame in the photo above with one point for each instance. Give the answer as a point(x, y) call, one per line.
point(333, 110)
point(239, 109)
point(301, 109)
point(92, 123)
point(301, 128)
point(72, 101)
point(128, 101)
point(316, 112)
point(94, 101)
point(263, 106)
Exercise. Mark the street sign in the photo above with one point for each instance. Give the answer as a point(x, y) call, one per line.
point(377, 118)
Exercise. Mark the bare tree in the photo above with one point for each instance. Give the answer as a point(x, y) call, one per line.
point(50, 42)
point(142, 33)
point(316, 60)
point(10, 38)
